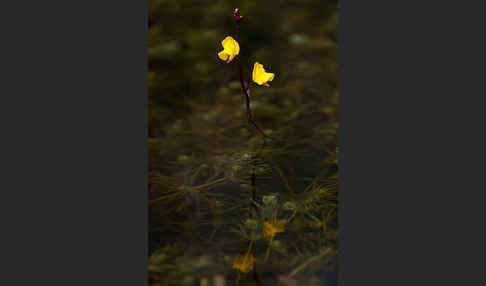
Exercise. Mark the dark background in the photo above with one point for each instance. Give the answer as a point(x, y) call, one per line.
point(74, 153)
point(199, 134)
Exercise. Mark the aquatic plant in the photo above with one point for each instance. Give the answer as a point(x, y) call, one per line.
point(231, 50)
point(215, 187)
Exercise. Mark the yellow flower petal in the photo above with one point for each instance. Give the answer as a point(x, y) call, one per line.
point(271, 76)
point(231, 45)
point(231, 49)
point(272, 227)
point(244, 262)
point(222, 55)
point(260, 76)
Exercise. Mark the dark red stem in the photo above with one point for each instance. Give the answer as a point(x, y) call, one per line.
point(246, 90)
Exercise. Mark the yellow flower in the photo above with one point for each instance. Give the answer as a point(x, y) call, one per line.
point(272, 227)
point(231, 49)
point(244, 262)
point(260, 76)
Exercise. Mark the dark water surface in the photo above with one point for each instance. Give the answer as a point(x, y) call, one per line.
point(217, 188)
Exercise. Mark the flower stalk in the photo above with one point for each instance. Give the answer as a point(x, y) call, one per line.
point(246, 90)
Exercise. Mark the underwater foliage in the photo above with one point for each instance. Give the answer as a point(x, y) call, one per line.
point(224, 201)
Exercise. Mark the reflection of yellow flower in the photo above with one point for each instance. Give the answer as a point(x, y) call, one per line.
point(260, 76)
point(231, 49)
point(272, 227)
point(244, 262)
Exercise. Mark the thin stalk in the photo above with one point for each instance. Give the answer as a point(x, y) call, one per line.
point(238, 279)
point(268, 250)
point(196, 188)
point(246, 90)
point(292, 216)
point(210, 184)
point(308, 262)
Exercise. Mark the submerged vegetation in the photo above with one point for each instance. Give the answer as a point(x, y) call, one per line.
point(227, 206)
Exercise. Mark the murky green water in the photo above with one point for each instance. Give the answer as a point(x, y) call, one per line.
point(227, 207)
